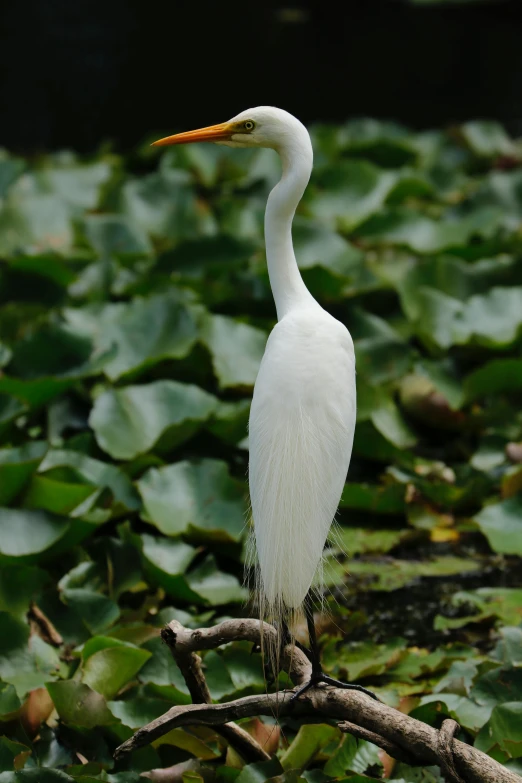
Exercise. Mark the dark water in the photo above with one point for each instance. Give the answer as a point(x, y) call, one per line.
point(75, 73)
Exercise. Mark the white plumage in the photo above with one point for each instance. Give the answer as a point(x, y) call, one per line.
point(301, 432)
point(302, 418)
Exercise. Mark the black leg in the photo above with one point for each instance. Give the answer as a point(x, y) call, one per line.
point(317, 672)
point(286, 638)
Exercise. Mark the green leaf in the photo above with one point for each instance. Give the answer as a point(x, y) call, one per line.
point(339, 762)
point(108, 670)
point(58, 497)
point(364, 659)
point(503, 603)
point(236, 349)
point(115, 235)
point(9, 700)
point(97, 611)
point(245, 669)
point(137, 712)
point(78, 186)
point(404, 227)
point(351, 192)
point(144, 331)
point(100, 474)
point(499, 375)
point(34, 222)
point(16, 467)
point(166, 563)
point(260, 772)
point(79, 705)
point(509, 647)
point(503, 730)
point(388, 499)
point(36, 775)
point(388, 421)
point(215, 586)
point(487, 138)
point(493, 320)
point(163, 671)
point(356, 540)
point(9, 751)
point(25, 662)
point(19, 586)
point(397, 573)
point(26, 532)
point(39, 391)
point(230, 421)
point(180, 738)
point(10, 169)
point(501, 523)
point(199, 499)
point(163, 204)
point(131, 421)
point(498, 686)
point(315, 245)
point(307, 743)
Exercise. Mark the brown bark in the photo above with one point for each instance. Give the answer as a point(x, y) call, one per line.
point(399, 735)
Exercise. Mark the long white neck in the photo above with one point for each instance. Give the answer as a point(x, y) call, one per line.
point(288, 288)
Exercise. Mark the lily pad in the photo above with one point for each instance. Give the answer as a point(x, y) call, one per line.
point(199, 499)
point(79, 705)
point(236, 349)
point(501, 523)
point(130, 421)
point(28, 532)
point(144, 332)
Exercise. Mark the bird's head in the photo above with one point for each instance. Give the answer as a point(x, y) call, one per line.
point(264, 126)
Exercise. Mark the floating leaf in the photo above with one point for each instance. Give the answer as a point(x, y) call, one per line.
point(144, 331)
point(487, 138)
point(388, 499)
point(96, 611)
point(26, 662)
point(501, 523)
point(499, 375)
point(108, 670)
point(16, 467)
point(19, 586)
point(115, 235)
point(308, 742)
point(100, 474)
point(215, 586)
point(166, 563)
point(26, 532)
point(236, 348)
point(79, 705)
point(130, 421)
point(195, 498)
point(484, 604)
point(351, 192)
point(503, 730)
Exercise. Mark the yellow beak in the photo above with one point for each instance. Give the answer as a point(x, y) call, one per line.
point(221, 132)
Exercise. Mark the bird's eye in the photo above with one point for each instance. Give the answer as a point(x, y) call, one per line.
point(250, 125)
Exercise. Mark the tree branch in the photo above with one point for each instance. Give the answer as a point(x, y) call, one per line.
point(399, 734)
point(180, 643)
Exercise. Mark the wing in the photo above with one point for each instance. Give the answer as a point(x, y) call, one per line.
point(301, 428)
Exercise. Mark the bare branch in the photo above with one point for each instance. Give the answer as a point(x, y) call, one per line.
point(400, 735)
point(392, 750)
point(445, 740)
point(174, 635)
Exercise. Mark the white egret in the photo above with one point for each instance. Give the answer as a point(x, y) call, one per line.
point(302, 418)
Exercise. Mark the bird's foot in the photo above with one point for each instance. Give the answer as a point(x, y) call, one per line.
point(319, 676)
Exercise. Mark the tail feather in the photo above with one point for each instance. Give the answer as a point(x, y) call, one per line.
point(298, 466)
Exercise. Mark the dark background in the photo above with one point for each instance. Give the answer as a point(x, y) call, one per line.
point(74, 73)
